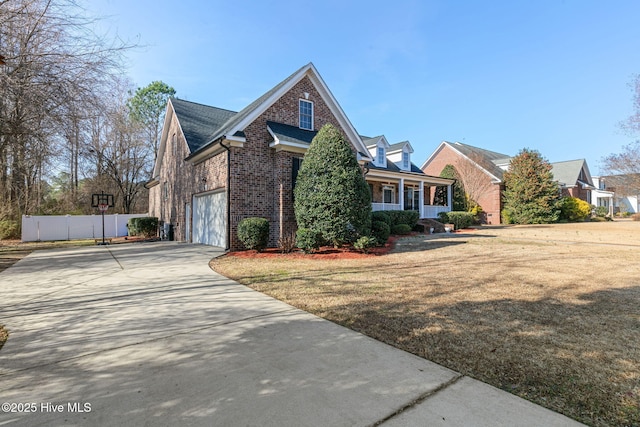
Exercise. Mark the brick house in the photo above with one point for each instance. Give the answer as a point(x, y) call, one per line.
point(488, 167)
point(216, 166)
point(574, 178)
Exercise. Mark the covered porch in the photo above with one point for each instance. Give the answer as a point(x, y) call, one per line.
point(427, 195)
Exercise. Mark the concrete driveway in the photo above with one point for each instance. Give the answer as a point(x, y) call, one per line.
point(147, 334)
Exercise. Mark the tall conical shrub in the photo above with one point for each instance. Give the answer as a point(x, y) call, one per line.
point(331, 194)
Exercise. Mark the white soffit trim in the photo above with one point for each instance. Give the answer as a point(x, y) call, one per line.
point(435, 152)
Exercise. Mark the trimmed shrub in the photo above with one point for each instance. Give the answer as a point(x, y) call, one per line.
point(602, 211)
point(636, 217)
point(308, 240)
point(477, 213)
point(409, 218)
point(143, 226)
point(458, 219)
point(365, 243)
point(573, 209)
point(381, 231)
point(381, 216)
point(9, 229)
point(254, 233)
point(401, 229)
point(419, 228)
point(506, 216)
point(331, 195)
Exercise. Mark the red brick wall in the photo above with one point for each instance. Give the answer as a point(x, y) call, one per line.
point(183, 181)
point(490, 201)
point(261, 178)
point(260, 181)
point(577, 192)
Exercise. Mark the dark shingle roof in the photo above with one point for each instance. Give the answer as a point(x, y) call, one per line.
point(291, 133)
point(397, 146)
point(370, 142)
point(489, 160)
point(242, 114)
point(199, 121)
point(392, 167)
point(568, 172)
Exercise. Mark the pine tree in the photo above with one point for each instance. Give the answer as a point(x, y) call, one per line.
point(332, 197)
point(531, 195)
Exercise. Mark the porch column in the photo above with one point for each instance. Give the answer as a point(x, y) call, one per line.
point(421, 199)
point(450, 196)
point(401, 194)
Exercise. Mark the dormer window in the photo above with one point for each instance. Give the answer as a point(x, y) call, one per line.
point(405, 160)
point(306, 115)
point(381, 156)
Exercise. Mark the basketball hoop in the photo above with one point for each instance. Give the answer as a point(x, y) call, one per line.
point(102, 202)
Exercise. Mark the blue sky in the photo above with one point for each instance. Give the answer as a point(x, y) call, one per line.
point(550, 75)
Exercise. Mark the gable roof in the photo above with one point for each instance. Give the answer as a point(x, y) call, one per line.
point(199, 121)
point(488, 161)
point(236, 124)
point(371, 142)
point(570, 172)
point(398, 146)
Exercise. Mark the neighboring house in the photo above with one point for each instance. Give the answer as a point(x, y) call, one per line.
point(216, 166)
point(617, 193)
point(484, 170)
point(574, 178)
point(601, 196)
point(486, 166)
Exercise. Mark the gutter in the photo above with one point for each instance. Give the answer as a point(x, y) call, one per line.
point(226, 147)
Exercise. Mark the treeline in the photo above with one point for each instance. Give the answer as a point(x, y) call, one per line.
point(70, 122)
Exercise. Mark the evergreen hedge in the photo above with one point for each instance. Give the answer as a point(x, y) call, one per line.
point(381, 231)
point(143, 226)
point(458, 219)
point(254, 233)
point(308, 240)
point(573, 209)
point(331, 196)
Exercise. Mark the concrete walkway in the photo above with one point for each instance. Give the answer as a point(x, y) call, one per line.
point(147, 334)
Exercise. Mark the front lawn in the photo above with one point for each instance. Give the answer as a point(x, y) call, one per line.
point(549, 313)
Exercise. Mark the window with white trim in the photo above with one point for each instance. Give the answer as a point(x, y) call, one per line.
point(381, 156)
point(388, 194)
point(306, 114)
point(405, 160)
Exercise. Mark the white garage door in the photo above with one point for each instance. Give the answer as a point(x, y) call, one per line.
point(210, 219)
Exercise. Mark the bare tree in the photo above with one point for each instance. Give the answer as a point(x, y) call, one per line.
point(122, 159)
point(626, 165)
point(474, 179)
point(631, 125)
point(54, 64)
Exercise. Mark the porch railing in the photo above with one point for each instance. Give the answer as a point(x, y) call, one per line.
point(385, 206)
point(430, 211)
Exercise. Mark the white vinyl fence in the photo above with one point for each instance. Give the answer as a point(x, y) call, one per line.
point(68, 227)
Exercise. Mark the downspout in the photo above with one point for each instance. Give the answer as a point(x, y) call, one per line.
point(226, 147)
